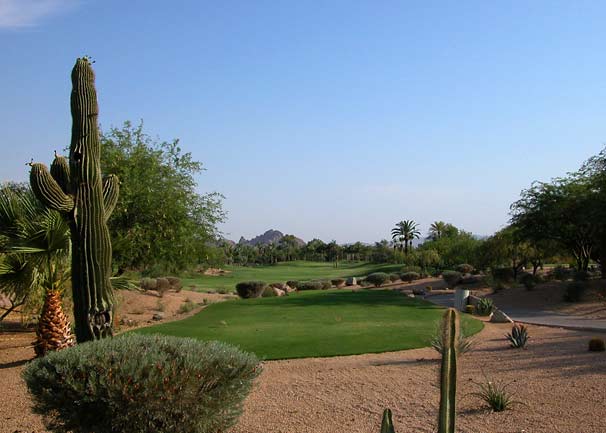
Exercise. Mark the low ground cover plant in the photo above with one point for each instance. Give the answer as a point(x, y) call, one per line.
point(597, 345)
point(310, 285)
point(484, 307)
point(250, 289)
point(452, 278)
point(575, 291)
point(496, 395)
point(518, 337)
point(377, 278)
point(410, 276)
point(139, 384)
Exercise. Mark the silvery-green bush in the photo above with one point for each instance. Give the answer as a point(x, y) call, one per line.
point(142, 383)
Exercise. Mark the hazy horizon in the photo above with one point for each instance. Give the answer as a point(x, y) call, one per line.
point(324, 119)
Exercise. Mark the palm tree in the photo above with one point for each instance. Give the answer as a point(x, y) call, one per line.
point(34, 253)
point(437, 230)
point(404, 232)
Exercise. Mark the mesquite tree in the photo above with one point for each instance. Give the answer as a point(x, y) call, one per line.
point(86, 200)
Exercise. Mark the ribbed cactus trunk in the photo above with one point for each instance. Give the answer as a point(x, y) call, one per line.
point(86, 200)
point(448, 372)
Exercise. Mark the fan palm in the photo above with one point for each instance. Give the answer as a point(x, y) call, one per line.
point(437, 230)
point(404, 232)
point(34, 254)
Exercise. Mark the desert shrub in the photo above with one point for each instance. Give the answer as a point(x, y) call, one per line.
point(250, 289)
point(575, 291)
point(325, 284)
point(362, 282)
point(163, 286)
point(138, 384)
point(529, 280)
point(416, 269)
point(394, 277)
point(310, 285)
point(484, 307)
point(464, 268)
point(338, 282)
point(428, 288)
point(561, 273)
point(175, 283)
point(597, 345)
point(222, 291)
point(502, 274)
point(518, 337)
point(581, 276)
point(293, 284)
point(495, 395)
point(148, 284)
point(452, 278)
point(469, 309)
point(377, 278)
point(268, 292)
point(409, 276)
point(186, 307)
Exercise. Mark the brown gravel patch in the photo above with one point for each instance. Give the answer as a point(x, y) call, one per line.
point(562, 386)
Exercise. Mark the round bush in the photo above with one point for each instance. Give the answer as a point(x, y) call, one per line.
point(326, 284)
point(561, 273)
point(530, 281)
point(503, 274)
point(575, 291)
point(250, 289)
point(597, 345)
point(452, 278)
point(409, 277)
point(338, 282)
point(464, 268)
point(268, 292)
point(377, 278)
point(139, 384)
point(293, 284)
point(310, 285)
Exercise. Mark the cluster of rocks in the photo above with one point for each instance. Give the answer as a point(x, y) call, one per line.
point(281, 289)
point(161, 285)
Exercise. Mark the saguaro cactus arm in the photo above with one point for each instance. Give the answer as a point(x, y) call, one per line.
point(448, 372)
point(111, 189)
point(48, 190)
point(60, 172)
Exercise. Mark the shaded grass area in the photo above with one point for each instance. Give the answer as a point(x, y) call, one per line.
point(317, 323)
point(282, 272)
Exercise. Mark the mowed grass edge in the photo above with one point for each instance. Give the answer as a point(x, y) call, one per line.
point(317, 324)
point(281, 272)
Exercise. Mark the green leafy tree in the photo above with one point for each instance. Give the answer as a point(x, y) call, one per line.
point(160, 221)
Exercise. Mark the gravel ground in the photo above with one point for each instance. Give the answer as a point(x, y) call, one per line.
point(561, 387)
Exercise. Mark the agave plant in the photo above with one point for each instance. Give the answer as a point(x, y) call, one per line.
point(518, 337)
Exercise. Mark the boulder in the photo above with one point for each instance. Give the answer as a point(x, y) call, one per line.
point(410, 295)
point(418, 291)
point(351, 281)
point(158, 316)
point(499, 317)
point(278, 292)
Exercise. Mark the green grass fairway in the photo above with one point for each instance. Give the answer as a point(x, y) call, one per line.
point(317, 323)
point(282, 272)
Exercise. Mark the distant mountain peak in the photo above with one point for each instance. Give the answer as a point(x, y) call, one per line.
point(271, 236)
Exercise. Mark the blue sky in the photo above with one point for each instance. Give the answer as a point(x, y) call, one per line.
point(331, 119)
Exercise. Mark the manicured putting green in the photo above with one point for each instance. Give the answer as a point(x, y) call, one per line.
point(317, 323)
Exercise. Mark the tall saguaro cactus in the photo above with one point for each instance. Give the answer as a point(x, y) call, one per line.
point(86, 200)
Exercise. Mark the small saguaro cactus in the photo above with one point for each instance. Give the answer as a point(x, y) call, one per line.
point(86, 200)
point(448, 376)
